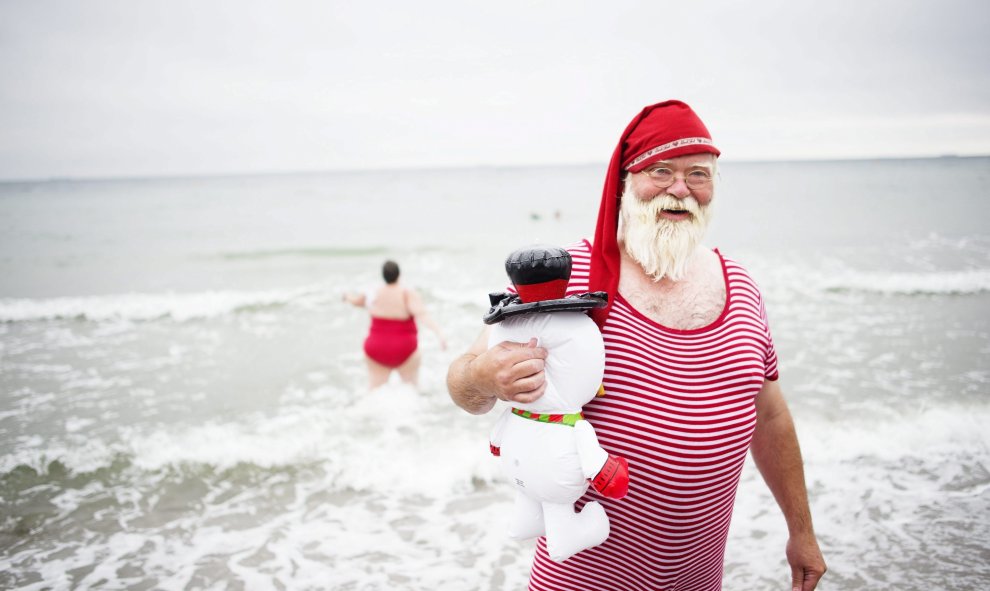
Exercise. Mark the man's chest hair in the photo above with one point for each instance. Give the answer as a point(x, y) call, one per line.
point(694, 302)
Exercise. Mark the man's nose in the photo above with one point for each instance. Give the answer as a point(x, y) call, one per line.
point(679, 189)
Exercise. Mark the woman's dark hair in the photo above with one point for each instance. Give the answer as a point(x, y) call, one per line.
point(390, 271)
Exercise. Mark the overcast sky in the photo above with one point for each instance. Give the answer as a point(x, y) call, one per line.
point(130, 88)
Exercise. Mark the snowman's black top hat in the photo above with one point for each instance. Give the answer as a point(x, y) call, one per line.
point(540, 274)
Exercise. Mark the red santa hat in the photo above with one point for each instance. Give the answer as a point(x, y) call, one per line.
point(660, 131)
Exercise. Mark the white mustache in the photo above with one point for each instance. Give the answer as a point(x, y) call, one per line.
point(650, 210)
point(670, 203)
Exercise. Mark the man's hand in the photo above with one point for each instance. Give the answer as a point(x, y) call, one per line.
point(807, 563)
point(514, 372)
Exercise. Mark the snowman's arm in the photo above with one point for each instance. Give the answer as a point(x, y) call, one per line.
point(495, 439)
point(590, 453)
point(609, 474)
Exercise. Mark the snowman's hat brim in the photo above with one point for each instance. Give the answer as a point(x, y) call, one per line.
point(505, 305)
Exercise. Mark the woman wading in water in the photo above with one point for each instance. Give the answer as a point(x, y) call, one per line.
point(392, 342)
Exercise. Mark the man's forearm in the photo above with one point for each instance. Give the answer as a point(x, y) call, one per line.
point(464, 390)
point(778, 456)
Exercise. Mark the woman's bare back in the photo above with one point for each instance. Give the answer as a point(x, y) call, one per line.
point(391, 302)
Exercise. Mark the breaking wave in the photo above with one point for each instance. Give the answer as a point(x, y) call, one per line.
point(213, 304)
point(142, 306)
point(917, 283)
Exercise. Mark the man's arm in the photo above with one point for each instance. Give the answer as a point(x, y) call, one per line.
point(778, 457)
point(508, 371)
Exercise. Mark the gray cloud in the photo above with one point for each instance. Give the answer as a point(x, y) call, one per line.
point(124, 88)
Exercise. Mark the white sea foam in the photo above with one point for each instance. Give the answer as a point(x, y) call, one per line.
point(381, 441)
point(389, 439)
point(933, 432)
point(367, 541)
point(76, 453)
point(403, 494)
point(873, 488)
point(416, 508)
point(929, 283)
point(193, 305)
point(212, 304)
point(149, 306)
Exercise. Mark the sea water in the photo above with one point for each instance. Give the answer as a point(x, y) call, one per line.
point(183, 401)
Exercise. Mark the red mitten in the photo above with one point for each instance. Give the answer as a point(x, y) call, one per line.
point(496, 451)
point(613, 479)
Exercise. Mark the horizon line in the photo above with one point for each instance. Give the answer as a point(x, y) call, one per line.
point(432, 168)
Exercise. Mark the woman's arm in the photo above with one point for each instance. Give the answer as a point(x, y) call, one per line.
point(354, 299)
point(418, 310)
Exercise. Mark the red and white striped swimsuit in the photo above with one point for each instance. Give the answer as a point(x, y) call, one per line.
point(679, 405)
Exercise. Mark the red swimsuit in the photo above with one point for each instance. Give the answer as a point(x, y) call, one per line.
point(391, 342)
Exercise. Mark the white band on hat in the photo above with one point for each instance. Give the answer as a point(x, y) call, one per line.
point(688, 141)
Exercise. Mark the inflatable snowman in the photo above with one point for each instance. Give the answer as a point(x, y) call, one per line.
point(548, 451)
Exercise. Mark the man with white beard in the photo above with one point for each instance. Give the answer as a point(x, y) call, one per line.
point(690, 376)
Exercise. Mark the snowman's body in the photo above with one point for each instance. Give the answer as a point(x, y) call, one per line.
point(549, 463)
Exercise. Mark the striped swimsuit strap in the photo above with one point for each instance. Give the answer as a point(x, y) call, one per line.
point(568, 419)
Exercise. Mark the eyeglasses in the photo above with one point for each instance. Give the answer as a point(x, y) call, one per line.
point(664, 177)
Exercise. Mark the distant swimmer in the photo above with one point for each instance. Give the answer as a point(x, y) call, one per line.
point(392, 342)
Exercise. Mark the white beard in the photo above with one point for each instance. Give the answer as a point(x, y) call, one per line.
point(662, 247)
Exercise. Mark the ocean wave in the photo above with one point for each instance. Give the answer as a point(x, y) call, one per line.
point(926, 434)
point(393, 429)
point(323, 252)
point(315, 252)
point(144, 306)
point(212, 304)
point(929, 283)
point(196, 305)
point(957, 244)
